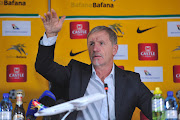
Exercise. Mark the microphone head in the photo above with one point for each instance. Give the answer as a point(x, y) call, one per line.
point(105, 87)
point(31, 109)
point(47, 98)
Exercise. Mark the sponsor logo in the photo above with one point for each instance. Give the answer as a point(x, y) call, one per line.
point(103, 5)
point(178, 48)
point(16, 28)
point(147, 73)
point(148, 51)
point(144, 30)
point(79, 30)
point(16, 73)
point(175, 51)
point(122, 67)
point(176, 73)
point(122, 53)
point(116, 28)
point(150, 74)
point(13, 2)
point(74, 54)
point(173, 29)
point(178, 26)
point(81, 5)
point(32, 106)
point(19, 48)
point(92, 5)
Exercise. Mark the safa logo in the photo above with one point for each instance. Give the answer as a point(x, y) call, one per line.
point(15, 27)
point(178, 26)
point(19, 48)
point(117, 29)
point(147, 73)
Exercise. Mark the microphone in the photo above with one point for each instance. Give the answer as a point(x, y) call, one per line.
point(106, 89)
point(31, 110)
point(47, 98)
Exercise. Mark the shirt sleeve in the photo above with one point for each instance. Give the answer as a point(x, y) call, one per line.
point(48, 41)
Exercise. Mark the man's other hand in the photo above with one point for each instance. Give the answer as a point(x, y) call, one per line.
point(52, 23)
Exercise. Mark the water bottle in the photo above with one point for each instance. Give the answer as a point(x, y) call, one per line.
point(158, 112)
point(5, 108)
point(170, 107)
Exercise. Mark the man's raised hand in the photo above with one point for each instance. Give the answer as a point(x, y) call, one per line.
point(52, 23)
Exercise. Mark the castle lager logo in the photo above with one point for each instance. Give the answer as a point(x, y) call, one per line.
point(148, 51)
point(176, 73)
point(16, 73)
point(79, 30)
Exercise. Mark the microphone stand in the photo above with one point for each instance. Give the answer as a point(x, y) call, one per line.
point(106, 89)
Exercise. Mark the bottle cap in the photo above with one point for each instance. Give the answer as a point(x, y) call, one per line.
point(20, 92)
point(178, 94)
point(157, 91)
point(5, 95)
point(170, 93)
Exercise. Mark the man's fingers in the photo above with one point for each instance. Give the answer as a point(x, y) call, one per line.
point(62, 19)
point(43, 19)
point(50, 16)
point(47, 16)
point(54, 14)
point(47, 19)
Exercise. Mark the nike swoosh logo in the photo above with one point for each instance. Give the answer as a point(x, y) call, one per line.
point(141, 31)
point(74, 54)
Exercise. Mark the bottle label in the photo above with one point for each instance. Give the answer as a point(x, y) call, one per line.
point(158, 105)
point(5, 115)
point(19, 100)
point(18, 117)
point(171, 114)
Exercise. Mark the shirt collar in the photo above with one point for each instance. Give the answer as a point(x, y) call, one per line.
point(112, 74)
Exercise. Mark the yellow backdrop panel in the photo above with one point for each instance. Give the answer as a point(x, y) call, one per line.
point(130, 15)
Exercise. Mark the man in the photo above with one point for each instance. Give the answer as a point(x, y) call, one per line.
point(126, 91)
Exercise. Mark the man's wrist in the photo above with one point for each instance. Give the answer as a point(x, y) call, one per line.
point(51, 34)
point(48, 41)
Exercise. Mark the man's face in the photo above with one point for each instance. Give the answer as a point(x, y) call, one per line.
point(101, 50)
